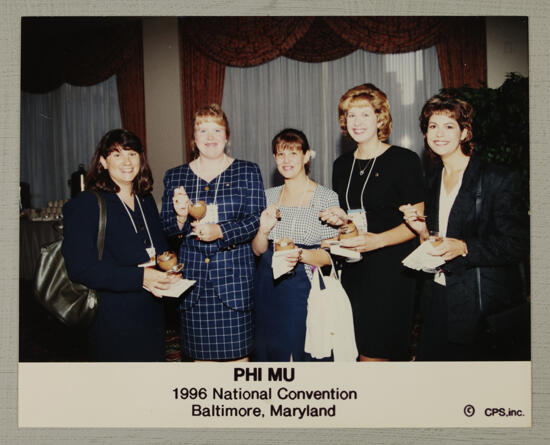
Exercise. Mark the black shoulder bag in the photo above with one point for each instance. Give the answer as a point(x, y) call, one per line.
point(510, 327)
point(71, 303)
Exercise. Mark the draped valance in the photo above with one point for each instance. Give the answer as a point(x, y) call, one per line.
point(250, 41)
point(87, 50)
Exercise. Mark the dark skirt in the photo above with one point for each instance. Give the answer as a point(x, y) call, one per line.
point(381, 291)
point(128, 327)
point(211, 330)
point(434, 344)
point(280, 313)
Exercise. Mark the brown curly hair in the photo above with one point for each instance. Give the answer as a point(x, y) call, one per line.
point(377, 99)
point(455, 108)
point(98, 178)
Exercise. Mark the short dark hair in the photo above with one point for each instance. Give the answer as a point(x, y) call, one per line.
point(290, 138)
point(98, 178)
point(455, 108)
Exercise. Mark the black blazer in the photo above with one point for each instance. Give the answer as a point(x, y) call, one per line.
point(496, 243)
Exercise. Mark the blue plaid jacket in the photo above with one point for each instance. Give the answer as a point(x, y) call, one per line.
point(228, 263)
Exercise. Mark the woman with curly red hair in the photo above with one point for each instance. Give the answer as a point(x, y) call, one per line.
point(372, 182)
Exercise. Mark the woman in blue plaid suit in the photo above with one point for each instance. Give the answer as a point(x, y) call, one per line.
point(216, 313)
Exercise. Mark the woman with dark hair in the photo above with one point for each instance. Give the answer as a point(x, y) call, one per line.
point(129, 322)
point(281, 305)
point(216, 314)
point(372, 182)
point(477, 210)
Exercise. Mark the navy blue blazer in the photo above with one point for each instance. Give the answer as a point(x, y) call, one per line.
point(227, 263)
point(124, 248)
point(496, 242)
point(129, 322)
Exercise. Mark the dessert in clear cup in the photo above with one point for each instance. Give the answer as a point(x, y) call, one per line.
point(168, 261)
point(348, 230)
point(435, 238)
point(284, 244)
point(198, 209)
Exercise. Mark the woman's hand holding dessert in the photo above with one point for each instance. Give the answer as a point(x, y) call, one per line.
point(350, 238)
point(287, 245)
point(450, 248)
point(446, 248)
point(293, 257)
point(207, 232)
point(364, 242)
point(156, 281)
point(335, 216)
point(268, 219)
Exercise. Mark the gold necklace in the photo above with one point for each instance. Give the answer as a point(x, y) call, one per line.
point(364, 169)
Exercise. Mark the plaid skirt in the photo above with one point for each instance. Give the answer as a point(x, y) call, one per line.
point(211, 330)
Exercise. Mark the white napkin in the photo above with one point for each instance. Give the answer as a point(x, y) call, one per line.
point(335, 249)
point(279, 264)
point(178, 288)
point(420, 259)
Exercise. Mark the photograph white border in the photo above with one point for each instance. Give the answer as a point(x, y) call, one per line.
point(538, 13)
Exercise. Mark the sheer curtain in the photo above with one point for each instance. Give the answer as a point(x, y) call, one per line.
point(262, 100)
point(60, 130)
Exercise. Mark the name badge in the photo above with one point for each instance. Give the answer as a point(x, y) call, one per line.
point(359, 218)
point(152, 258)
point(151, 252)
point(211, 216)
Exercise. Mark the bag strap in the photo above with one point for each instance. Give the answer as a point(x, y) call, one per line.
point(333, 270)
point(102, 224)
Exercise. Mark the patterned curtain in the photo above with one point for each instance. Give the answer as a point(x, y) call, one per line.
point(244, 41)
point(209, 43)
point(387, 34)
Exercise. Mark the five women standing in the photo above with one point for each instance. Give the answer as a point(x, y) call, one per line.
point(476, 208)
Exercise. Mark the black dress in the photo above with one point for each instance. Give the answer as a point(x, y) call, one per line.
point(380, 288)
point(129, 323)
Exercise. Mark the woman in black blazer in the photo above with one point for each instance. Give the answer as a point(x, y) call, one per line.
point(129, 323)
point(495, 241)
